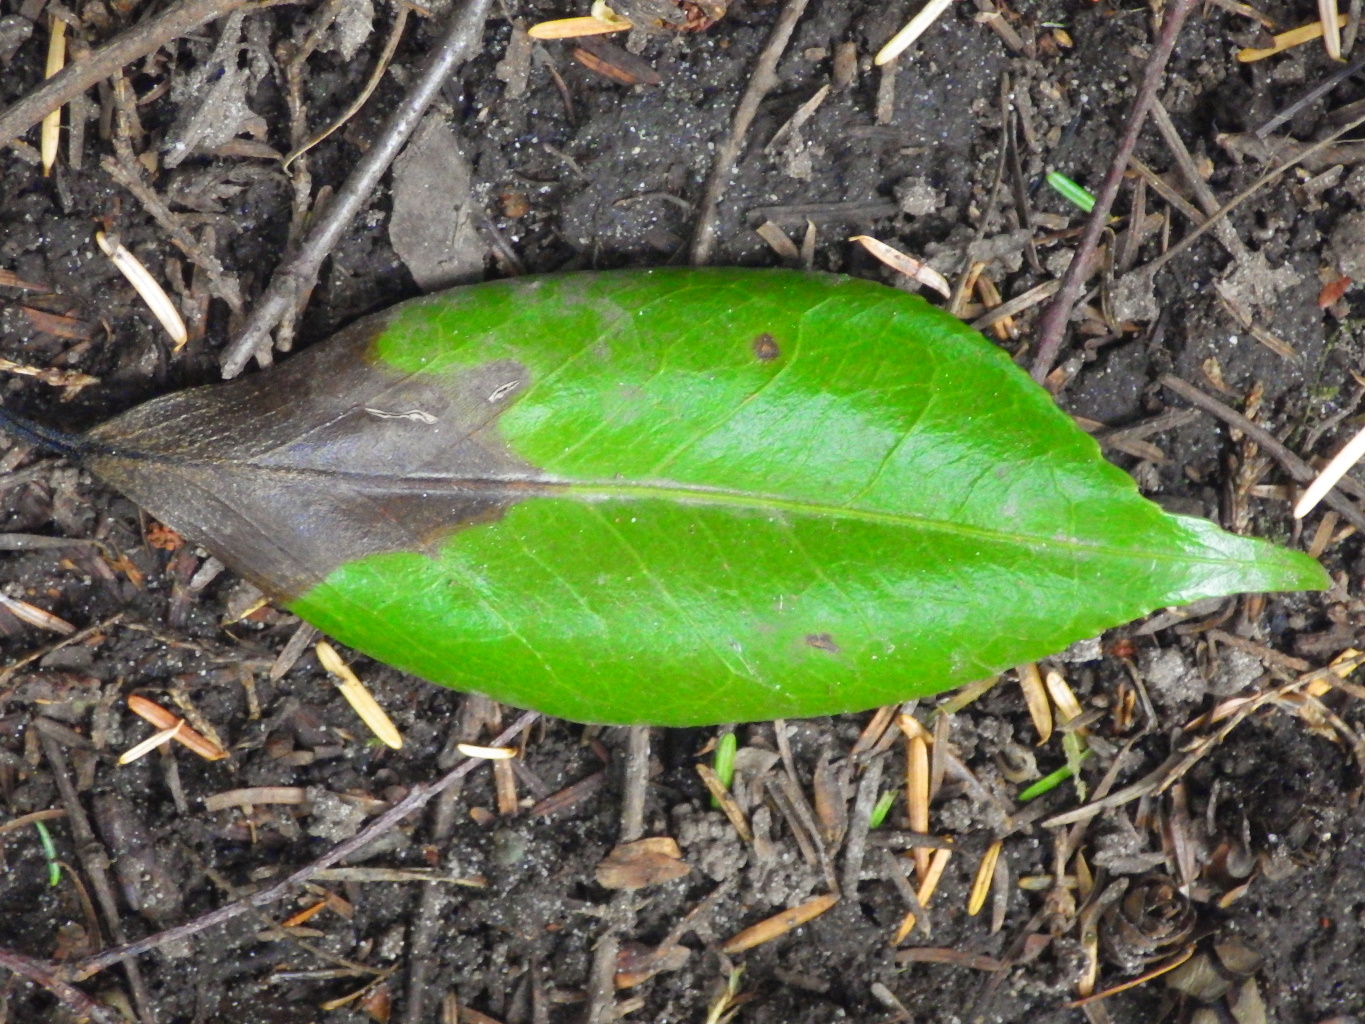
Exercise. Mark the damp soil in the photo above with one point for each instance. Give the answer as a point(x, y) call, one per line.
point(567, 170)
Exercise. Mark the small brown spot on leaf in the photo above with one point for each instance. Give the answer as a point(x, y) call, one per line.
point(765, 347)
point(823, 641)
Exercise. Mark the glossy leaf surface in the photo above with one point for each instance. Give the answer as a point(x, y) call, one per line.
point(675, 497)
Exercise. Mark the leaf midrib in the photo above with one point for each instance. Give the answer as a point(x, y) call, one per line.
point(515, 489)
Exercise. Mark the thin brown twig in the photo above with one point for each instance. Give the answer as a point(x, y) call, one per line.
point(93, 858)
point(125, 48)
point(474, 711)
point(1237, 200)
point(1052, 326)
point(41, 974)
point(414, 801)
point(763, 81)
point(1293, 465)
point(462, 35)
point(620, 914)
point(123, 169)
point(1203, 195)
point(386, 55)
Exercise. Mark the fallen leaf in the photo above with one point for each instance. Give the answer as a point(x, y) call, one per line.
point(644, 862)
point(676, 496)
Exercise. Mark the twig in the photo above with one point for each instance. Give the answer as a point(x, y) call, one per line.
point(435, 895)
point(1052, 326)
point(76, 1000)
point(762, 82)
point(1317, 92)
point(381, 65)
point(463, 33)
point(1203, 195)
point(1293, 465)
point(855, 848)
point(414, 801)
point(127, 47)
point(224, 285)
point(637, 785)
point(1237, 200)
point(93, 858)
point(621, 913)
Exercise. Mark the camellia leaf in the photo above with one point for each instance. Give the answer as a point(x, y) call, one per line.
point(676, 497)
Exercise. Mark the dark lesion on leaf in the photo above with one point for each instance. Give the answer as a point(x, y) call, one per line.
point(822, 642)
point(330, 457)
point(765, 347)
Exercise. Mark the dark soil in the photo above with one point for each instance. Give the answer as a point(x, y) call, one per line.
point(617, 183)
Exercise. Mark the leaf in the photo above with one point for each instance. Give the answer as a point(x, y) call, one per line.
point(672, 496)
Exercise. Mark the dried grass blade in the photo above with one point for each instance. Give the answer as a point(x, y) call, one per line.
point(572, 28)
point(905, 38)
point(1068, 707)
point(35, 616)
point(1331, 473)
point(360, 698)
point(985, 876)
point(967, 695)
point(1035, 696)
point(50, 133)
point(926, 892)
point(156, 739)
point(1287, 40)
point(917, 797)
point(145, 285)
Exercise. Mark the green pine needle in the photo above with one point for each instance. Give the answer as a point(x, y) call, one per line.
point(882, 809)
point(723, 763)
point(54, 869)
point(1070, 191)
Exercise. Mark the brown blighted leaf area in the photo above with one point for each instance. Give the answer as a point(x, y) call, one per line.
point(360, 457)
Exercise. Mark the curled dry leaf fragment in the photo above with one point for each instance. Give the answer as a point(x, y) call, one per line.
point(907, 265)
point(142, 281)
point(1334, 290)
point(645, 862)
point(360, 698)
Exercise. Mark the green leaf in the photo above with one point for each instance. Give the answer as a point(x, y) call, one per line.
point(680, 497)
